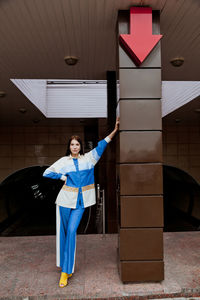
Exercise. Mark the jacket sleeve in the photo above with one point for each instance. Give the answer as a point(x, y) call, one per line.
point(54, 171)
point(95, 154)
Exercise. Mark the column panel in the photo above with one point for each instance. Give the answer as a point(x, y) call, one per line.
point(140, 114)
point(141, 179)
point(138, 271)
point(141, 244)
point(140, 146)
point(152, 61)
point(141, 211)
point(140, 83)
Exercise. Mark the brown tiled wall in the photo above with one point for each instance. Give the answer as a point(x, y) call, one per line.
point(181, 148)
point(22, 147)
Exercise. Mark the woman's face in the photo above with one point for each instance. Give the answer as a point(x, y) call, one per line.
point(75, 147)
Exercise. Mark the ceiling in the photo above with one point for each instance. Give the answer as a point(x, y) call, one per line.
point(37, 34)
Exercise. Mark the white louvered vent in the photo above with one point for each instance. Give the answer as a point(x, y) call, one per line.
point(78, 100)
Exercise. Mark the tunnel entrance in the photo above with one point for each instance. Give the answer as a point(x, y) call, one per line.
point(181, 200)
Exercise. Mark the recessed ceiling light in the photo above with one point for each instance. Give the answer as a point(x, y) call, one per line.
point(36, 121)
point(22, 110)
point(177, 61)
point(2, 94)
point(177, 120)
point(70, 60)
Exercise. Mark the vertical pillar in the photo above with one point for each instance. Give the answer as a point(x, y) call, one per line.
point(140, 164)
point(111, 208)
point(107, 165)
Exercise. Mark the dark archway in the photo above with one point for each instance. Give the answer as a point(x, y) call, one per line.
point(181, 200)
point(27, 202)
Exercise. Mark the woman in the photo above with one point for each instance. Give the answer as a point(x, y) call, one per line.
point(78, 192)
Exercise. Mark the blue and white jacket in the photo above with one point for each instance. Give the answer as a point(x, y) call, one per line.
point(79, 176)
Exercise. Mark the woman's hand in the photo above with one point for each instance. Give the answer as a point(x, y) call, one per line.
point(112, 134)
point(117, 124)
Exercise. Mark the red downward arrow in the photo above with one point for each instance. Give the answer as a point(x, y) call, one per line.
point(140, 42)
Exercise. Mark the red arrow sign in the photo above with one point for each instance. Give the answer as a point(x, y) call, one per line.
point(140, 42)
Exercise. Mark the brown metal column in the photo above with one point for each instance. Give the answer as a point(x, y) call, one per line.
point(140, 164)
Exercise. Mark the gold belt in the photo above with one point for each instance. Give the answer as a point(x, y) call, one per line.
point(70, 188)
point(88, 187)
point(74, 189)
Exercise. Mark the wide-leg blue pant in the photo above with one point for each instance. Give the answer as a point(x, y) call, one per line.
point(67, 222)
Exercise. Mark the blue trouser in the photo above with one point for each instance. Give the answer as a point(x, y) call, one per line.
point(67, 222)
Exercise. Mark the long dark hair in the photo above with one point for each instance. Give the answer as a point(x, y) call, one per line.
point(78, 139)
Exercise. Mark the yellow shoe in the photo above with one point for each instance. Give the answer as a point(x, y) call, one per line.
point(63, 279)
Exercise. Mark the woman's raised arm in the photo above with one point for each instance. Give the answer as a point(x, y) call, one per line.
point(95, 154)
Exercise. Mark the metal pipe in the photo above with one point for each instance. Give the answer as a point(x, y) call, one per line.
point(103, 217)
